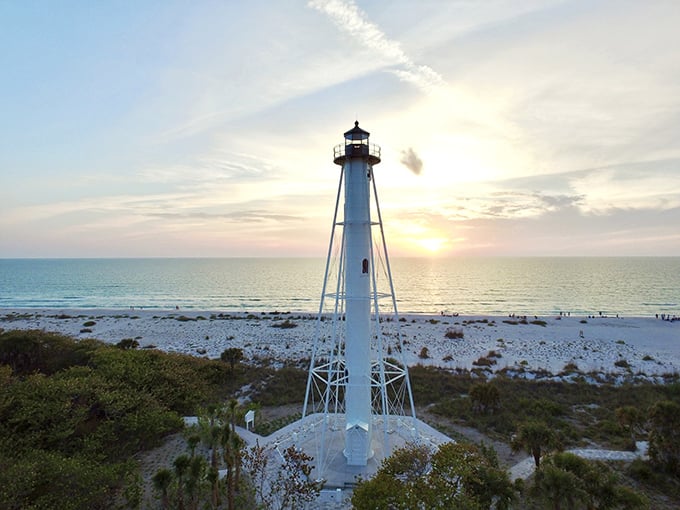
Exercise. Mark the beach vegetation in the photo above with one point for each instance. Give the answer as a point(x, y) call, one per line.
point(184, 318)
point(622, 363)
point(663, 490)
point(568, 481)
point(570, 367)
point(254, 477)
point(287, 324)
point(266, 427)
point(536, 438)
point(280, 387)
point(232, 355)
point(484, 361)
point(83, 408)
point(485, 397)
point(292, 487)
point(128, 343)
point(424, 353)
point(664, 436)
point(453, 333)
point(580, 412)
point(481, 372)
point(456, 475)
point(633, 420)
point(72, 414)
point(161, 482)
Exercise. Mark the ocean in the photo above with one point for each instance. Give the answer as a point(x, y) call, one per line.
point(628, 286)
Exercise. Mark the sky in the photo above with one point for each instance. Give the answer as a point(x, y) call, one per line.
point(168, 128)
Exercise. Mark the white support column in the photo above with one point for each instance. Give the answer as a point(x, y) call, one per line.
point(357, 227)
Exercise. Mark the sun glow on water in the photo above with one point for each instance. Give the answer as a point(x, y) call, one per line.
point(432, 245)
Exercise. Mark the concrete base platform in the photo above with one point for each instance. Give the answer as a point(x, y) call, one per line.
point(323, 439)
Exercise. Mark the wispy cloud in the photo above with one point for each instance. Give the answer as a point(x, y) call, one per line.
point(348, 17)
point(248, 216)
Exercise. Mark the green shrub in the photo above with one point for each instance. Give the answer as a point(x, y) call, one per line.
point(287, 324)
point(484, 362)
point(128, 343)
point(454, 333)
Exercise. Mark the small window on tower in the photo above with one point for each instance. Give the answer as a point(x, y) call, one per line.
point(364, 266)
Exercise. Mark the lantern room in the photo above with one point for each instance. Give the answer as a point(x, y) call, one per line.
point(356, 146)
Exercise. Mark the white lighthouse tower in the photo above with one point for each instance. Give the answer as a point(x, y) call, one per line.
point(357, 160)
point(355, 392)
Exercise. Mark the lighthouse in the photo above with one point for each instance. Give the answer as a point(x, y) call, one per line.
point(357, 157)
point(354, 389)
point(358, 404)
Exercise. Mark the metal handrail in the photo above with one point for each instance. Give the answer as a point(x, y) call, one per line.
point(341, 149)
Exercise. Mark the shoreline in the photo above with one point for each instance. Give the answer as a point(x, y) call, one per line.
point(620, 347)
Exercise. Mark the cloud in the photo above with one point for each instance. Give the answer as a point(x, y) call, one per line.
point(254, 216)
point(347, 16)
point(410, 160)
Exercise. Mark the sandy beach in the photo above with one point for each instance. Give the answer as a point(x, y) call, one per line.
point(525, 347)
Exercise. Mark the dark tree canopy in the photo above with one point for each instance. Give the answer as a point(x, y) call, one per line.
point(456, 475)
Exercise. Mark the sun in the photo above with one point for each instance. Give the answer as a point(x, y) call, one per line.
point(432, 244)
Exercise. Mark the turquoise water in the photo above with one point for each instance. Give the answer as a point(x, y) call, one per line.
point(631, 286)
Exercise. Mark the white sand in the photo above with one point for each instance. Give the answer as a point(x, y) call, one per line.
point(650, 346)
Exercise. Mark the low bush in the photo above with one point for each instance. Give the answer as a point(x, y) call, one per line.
point(484, 362)
point(454, 333)
point(287, 324)
point(570, 367)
